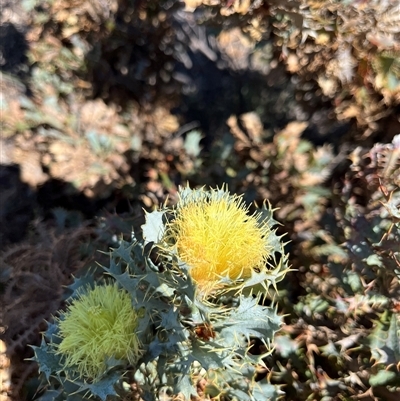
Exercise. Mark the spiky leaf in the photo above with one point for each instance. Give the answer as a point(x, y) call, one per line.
point(249, 320)
point(153, 229)
point(385, 340)
point(382, 378)
point(104, 387)
point(48, 361)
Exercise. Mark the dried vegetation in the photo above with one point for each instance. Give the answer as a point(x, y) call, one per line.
point(297, 102)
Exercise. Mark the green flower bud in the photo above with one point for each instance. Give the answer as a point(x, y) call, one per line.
point(97, 326)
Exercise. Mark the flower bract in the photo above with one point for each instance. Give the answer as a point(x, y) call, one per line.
point(97, 326)
point(215, 235)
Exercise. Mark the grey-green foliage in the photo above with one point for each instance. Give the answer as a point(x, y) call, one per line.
point(185, 337)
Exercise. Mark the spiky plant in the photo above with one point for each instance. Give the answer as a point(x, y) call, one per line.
point(240, 242)
point(96, 325)
point(189, 315)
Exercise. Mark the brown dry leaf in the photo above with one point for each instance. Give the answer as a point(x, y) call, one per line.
point(389, 20)
point(385, 158)
point(160, 124)
point(174, 146)
point(69, 31)
point(11, 117)
point(86, 14)
point(46, 50)
point(61, 15)
point(191, 5)
point(328, 86)
point(242, 141)
point(6, 151)
point(236, 7)
point(34, 33)
point(70, 163)
point(236, 47)
point(97, 116)
point(323, 152)
point(29, 161)
point(253, 125)
point(289, 137)
point(168, 124)
point(309, 179)
point(300, 161)
point(292, 63)
point(323, 39)
point(257, 28)
point(78, 165)
point(349, 112)
point(383, 41)
point(5, 371)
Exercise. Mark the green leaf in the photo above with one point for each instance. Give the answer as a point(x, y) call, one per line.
point(153, 229)
point(163, 347)
point(384, 341)
point(238, 394)
point(74, 397)
point(249, 320)
point(266, 392)
point(382, 378)
point(240, 385)
point(330, 250)
point(207, 355)
point(127, 282)
point(51, 395)
point(124, 251)
point(393, 209)
point(104, 387)
point(185, 386)
point(29, 5)
point(373, 260)
point(259, 282)
point(79, 285)
point(330, 350)
point(353, 280)
point(192, 143)
point(392, 347)
point(285, 346)
point(48, 361)
point(170, 320)
point(72, 385)
point(51, 334)
point(232, 383)
point(99, 143)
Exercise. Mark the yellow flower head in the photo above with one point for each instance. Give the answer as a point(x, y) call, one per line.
point(215, 235)
point(97, 326)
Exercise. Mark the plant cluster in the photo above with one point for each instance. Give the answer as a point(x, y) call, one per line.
point(179, 312)
point(341, 300)
point(342, 333)
point(95, 108)
point(343, 53)
point(63, 123)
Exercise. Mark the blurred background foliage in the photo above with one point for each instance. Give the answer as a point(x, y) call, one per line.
point(109, 105)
